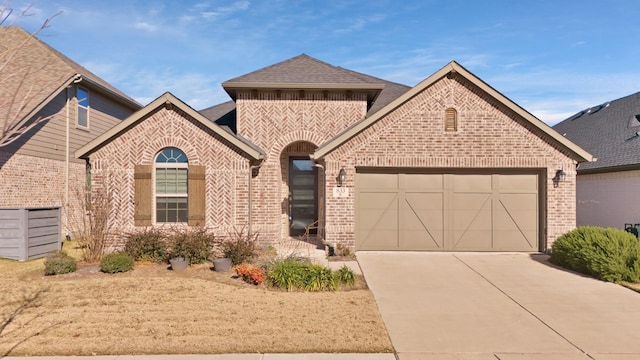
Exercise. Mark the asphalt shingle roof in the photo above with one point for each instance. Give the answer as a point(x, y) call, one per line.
point(32, 71)
point(304, 69)
point(609, 131)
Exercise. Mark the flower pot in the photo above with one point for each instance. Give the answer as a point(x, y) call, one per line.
point(179, 264)
point(222, 264)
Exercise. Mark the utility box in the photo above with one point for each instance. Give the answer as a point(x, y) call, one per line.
point(29, 233)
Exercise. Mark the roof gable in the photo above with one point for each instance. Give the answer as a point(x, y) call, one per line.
point(33, 73)
point(578, 153)
point(610, 131)
point(168, 99)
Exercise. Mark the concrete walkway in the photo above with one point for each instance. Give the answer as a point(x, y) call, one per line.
point(471, 306)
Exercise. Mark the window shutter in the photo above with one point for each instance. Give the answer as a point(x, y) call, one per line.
point(196, 189)
point(142, 197)
point(450, 120)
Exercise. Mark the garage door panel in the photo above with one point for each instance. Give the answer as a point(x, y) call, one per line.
point(471, 218)
point(422, 221)
point(472, 183)
point(515, 225)
point(524, 182)
point(378, 221)
point(423, 182)
point(378, 182)
point(460, 212)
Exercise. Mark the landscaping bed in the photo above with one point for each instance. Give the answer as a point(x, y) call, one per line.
point(153, 310)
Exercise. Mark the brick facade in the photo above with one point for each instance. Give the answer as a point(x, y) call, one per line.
point(289, 124)
point(489, 135)
point(227, 171)
point(29, 181)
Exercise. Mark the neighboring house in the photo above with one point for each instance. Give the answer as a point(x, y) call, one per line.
point(608, 189)
point(450, 164)
point(68, 105)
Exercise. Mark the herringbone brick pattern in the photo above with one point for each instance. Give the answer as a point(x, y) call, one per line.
point(227, 171)
point(289, 124)
point(489, 136)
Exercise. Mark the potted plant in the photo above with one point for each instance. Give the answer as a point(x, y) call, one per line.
point(178, 252)
point(237, 248)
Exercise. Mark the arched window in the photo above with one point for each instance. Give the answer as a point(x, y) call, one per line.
point(172, 167)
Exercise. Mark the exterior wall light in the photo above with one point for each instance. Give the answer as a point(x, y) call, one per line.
point(560, 176)
point(342, 175)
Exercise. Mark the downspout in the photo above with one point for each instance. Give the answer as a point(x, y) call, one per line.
point(66, 168)
point(324, 199)
point(77, 79)
point(251, 168)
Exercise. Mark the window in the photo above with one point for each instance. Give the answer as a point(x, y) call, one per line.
point(450, 120)
point(83, 107)
point(172, 169)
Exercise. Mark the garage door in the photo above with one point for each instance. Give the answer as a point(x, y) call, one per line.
point(447, 212)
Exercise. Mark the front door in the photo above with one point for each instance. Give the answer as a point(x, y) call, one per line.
point(303, 196)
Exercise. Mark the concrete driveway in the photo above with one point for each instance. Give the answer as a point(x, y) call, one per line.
point(477, 306)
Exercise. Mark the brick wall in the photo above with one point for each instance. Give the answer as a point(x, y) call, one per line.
point(289, 124)
point(29, 181)
point(227, 171)
point(489, 135)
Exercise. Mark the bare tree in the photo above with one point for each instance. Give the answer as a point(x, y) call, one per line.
point(20, 96)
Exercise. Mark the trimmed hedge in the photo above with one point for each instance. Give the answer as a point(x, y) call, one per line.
point(606, 254)
point(116, 262)
point(58, 262)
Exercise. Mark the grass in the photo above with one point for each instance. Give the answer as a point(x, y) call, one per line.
point(152, 310)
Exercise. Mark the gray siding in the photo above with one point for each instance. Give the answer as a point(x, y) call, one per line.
point(47, 140)
point(27, 234)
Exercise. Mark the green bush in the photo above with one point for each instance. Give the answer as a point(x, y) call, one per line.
point(240, 247)
point(195, 245)
point(116, 262)
point(59, 262)
point(296, 274)
point(345, 276)
point(607, 254)
point(147, 245)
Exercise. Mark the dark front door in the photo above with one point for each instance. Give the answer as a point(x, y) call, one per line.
point(303, 196)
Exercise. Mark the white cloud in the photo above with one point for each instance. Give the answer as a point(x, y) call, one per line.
point(145, 26)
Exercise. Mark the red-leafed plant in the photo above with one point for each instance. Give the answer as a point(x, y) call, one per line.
point(251, 274)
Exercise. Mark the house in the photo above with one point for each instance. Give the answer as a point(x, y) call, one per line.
point(607, 189)
point(450, 164)
point(49, 107)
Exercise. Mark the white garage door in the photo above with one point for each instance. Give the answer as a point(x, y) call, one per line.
point(447, 212)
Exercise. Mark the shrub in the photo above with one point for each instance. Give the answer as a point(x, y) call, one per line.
point(345, 276)
point(116, 262)
point(607, 254)
point(293, 273)
point(59, 262)
point(251, 274)
point(195, 245)
point(240, 247)
point(147, 245)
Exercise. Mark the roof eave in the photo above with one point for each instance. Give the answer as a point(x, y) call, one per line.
point(38, 108)
point(114, 95)
point(372, 90)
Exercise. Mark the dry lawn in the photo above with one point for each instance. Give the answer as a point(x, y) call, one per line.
point(153, 310)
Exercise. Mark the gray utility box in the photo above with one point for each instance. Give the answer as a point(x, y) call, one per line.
point(29, 233)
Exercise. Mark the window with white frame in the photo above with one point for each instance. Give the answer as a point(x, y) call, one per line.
point(171, 194)
point(82, 96)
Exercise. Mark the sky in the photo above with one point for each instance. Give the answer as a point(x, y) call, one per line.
point(551, 57)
